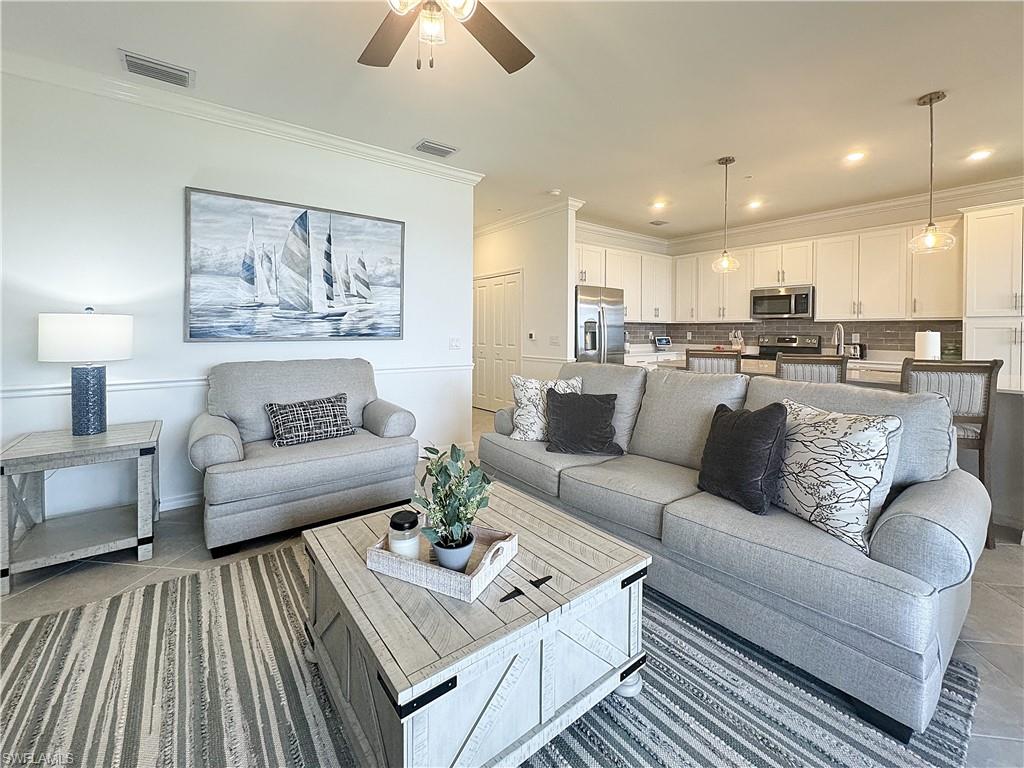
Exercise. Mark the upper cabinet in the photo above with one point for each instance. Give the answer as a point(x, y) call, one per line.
point(656, 289)
point(622, 269)
point(686, 290)
point(724, 297)
point(936, 279)
point(590, 264)
point(862, 277)
point(783, 264)
point(994, 261)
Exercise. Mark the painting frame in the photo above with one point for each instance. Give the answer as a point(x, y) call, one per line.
point(187, 324)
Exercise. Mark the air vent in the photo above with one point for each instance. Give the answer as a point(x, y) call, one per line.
point(658, 223)
point(435, 148)
point(157, 70)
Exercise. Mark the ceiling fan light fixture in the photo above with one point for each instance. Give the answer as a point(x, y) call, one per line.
point(432, 24)
point(462, 10)
point(402, 7)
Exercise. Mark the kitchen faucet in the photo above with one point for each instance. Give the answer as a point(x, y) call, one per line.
point(839, 338)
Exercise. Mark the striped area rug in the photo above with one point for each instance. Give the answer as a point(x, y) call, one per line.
point(207, 671)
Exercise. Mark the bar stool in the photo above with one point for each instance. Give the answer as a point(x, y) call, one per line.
point(820, 369)
point(712, 361)
point(970, 387)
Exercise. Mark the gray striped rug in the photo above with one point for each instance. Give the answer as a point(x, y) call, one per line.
point(206, 671)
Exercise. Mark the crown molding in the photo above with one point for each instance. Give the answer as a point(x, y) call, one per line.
point(990, 206)
point(561, 206)
point(30, 68)
point(599, 234)
point(769, 230)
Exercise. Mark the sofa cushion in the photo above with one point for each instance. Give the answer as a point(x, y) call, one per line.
point(530, 462)
point(581, 424)
point(530, 418)
point(309, 420)
point(676, 414)
point(629, 490)
point(358, 459)
point(238, 391)
point(927, 445)
point(787, 564)
point(624, 381)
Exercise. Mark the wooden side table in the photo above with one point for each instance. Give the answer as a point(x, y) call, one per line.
point(28, 540)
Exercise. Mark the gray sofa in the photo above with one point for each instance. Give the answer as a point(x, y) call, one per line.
point(252, 488)
point(880, 628)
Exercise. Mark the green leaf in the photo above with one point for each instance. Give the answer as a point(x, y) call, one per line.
point(431, 451)
point(430, 534)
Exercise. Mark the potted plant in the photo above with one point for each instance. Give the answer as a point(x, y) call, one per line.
point(458, 489)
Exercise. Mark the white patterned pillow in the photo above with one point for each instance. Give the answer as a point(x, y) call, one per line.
point(838, 469)
point(530, 418)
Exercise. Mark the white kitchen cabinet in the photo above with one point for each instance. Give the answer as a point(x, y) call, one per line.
point(686, 290)
point(992, 338)
point(994, 259)
point(767, 266)
point(936, 279)
point(724, 298)
point(882, 275)
point(798, 263)
point(622, 269)
point(590, 264)
point(783, 264)
point(836, 271)
point(656, 288)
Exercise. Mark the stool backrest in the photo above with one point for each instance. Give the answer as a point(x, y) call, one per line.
point(712, 361)
point(820, 369)
point(970, 387)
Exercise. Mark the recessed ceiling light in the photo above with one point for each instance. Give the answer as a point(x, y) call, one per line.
point(754, 204)
point(980, 154)
point(659, 204)
point(855, 157)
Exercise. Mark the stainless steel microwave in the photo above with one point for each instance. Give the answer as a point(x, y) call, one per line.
point(793, 301)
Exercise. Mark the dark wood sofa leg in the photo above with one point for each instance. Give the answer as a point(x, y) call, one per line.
point(883, 722)
point(224, 551)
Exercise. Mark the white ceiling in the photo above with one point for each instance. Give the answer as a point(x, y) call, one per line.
point(625, 102)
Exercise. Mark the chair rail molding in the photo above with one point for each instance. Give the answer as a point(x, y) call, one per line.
point(124, 89)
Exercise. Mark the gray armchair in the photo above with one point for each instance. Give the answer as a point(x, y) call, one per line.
point(252, 488)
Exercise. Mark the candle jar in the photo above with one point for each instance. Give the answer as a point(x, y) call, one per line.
point(404, 534)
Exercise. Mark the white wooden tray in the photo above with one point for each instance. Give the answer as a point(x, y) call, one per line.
point(492, 551)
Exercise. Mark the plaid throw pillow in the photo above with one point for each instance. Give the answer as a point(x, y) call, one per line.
point(309, 420)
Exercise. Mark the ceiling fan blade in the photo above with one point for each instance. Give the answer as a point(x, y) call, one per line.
point(388, 38)
point(494, 36)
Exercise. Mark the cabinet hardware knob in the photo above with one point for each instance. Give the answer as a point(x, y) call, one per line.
point(783, 275)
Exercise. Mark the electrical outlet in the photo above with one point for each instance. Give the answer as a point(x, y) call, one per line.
point(855, 338)
point(553, 341)
point(689, 335)
point(454, 343)
point(531, 335)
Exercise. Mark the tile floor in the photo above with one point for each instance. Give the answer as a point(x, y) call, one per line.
point(992, 638)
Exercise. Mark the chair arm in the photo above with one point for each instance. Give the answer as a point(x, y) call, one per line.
point(503, 421)
point(936, 530)
point(386, 419)
point(213, 440)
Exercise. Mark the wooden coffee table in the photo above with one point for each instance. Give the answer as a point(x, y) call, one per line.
point(422, 679)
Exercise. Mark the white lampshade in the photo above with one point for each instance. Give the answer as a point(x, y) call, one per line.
point(85, 337)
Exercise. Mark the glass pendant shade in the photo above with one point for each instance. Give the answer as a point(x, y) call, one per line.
point(402, 7)
point(460, 9)
point(932, 240)
point(725, 263)
point(432, 23)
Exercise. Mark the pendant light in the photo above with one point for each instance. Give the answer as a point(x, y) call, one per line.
point(725, 262)
point(932, 240)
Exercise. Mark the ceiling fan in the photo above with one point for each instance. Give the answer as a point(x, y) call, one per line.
point(494, 36)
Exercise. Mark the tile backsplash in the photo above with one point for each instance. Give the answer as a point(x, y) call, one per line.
point(876, 335)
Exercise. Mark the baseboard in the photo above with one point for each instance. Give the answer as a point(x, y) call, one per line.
point(168, 503)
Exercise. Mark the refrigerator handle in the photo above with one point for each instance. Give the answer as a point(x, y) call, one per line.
point(603, 338)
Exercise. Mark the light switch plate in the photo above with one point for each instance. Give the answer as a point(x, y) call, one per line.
point(855, 338)
point(454, 343)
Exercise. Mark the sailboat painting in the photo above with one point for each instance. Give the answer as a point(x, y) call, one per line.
point(261, 270)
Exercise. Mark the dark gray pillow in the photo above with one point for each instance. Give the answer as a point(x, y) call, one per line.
point(581, 424)
point(309, 420)
point(743, 455)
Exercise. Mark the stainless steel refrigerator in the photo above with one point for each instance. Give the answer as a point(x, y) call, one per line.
point(600, 329)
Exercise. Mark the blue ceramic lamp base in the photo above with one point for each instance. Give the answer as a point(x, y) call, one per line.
point(88, 399)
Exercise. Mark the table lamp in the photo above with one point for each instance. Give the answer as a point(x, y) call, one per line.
point(86, 338)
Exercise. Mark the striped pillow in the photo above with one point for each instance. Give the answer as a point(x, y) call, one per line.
point(309, 420)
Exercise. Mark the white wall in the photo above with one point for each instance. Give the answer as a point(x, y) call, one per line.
point(543, 247)
point(93, 213)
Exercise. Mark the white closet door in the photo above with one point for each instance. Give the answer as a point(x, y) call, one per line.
point(497, 339)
